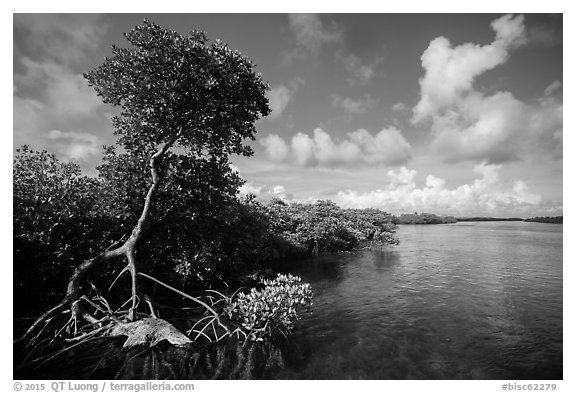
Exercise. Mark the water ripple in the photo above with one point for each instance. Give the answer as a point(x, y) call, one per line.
point(481, 301)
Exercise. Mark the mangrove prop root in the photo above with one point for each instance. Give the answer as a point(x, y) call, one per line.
point(127, 249)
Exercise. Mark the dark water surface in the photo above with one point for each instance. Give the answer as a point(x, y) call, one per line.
point(459, 301)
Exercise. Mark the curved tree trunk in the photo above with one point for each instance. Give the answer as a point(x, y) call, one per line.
point(127, 249)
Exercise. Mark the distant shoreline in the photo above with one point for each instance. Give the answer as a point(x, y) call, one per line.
point(427, 219)
point(546, 220)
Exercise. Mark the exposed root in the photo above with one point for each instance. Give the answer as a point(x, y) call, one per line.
point(95, 318)
point(194, 299)
point(44, 318)
point(127, 249)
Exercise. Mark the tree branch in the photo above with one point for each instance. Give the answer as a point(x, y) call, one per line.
point(127, 249)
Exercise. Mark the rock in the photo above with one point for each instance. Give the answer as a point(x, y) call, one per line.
point(149, 331)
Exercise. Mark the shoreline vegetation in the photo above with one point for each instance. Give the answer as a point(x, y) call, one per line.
point(158, 250)
point(548, 220)
point(428, 218)
point(228, 287)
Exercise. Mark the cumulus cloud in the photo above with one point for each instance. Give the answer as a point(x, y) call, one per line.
point(499, 128)
point(360, 148)
point(351, 105)
point(52, 99)
point(61, 96)
point(266, 193)
point(276, 148)
point(50, 92)
point(450, 71)
point(78, 145)
point(468, 125)
point(485, 195)
point(311, 33)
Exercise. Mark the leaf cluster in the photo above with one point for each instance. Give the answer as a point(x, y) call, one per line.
point(273, 309)
point(166, 83)
point(57, 220)
point(324, 226)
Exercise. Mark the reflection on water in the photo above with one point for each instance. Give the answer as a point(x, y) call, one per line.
point(474, 300)
point(460, 301)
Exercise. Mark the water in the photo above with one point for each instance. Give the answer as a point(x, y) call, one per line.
point(460, 301)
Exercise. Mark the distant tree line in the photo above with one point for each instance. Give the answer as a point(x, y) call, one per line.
point(428, 218)
point(547, 219)
point(489, 219)
point(208, 237)
point(423, 218)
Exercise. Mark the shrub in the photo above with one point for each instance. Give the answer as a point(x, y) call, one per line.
point(274, 308)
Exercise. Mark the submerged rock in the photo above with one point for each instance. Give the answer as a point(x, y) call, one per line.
point(149, 331)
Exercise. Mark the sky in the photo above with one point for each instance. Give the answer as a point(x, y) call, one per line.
point(458, 114)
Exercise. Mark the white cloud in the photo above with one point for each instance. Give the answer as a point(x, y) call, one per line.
point(399, 106)
point(353, 106)
point(76, 145)
point(249, 188)
point(468, 125)
point(485, 195)
point(361, 148)
point(450, 71)
point(499, 128)
point(60, 96)
point(279, 97)
point(266, 193)
point(48, 91)
point(302, 148)
point(311, 33)
point(276, 148)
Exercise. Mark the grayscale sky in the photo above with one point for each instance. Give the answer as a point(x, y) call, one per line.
point(455, 114)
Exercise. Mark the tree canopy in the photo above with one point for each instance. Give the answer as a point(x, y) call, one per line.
point(166, 202)
point(185, 106)
point(179, 88)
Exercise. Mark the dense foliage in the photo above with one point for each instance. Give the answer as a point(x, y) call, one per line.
point(165, 200)
point(57, 220)
point(273, 309)
point(423, 218)
point(185, 105)
point(205, 236)
point(199, 97)
point(473, 219)
point(547, 219)
point(324, 226)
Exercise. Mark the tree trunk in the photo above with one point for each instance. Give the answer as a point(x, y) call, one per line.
point(127, 249)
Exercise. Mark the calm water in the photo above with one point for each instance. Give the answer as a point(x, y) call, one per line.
point(459, 301)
